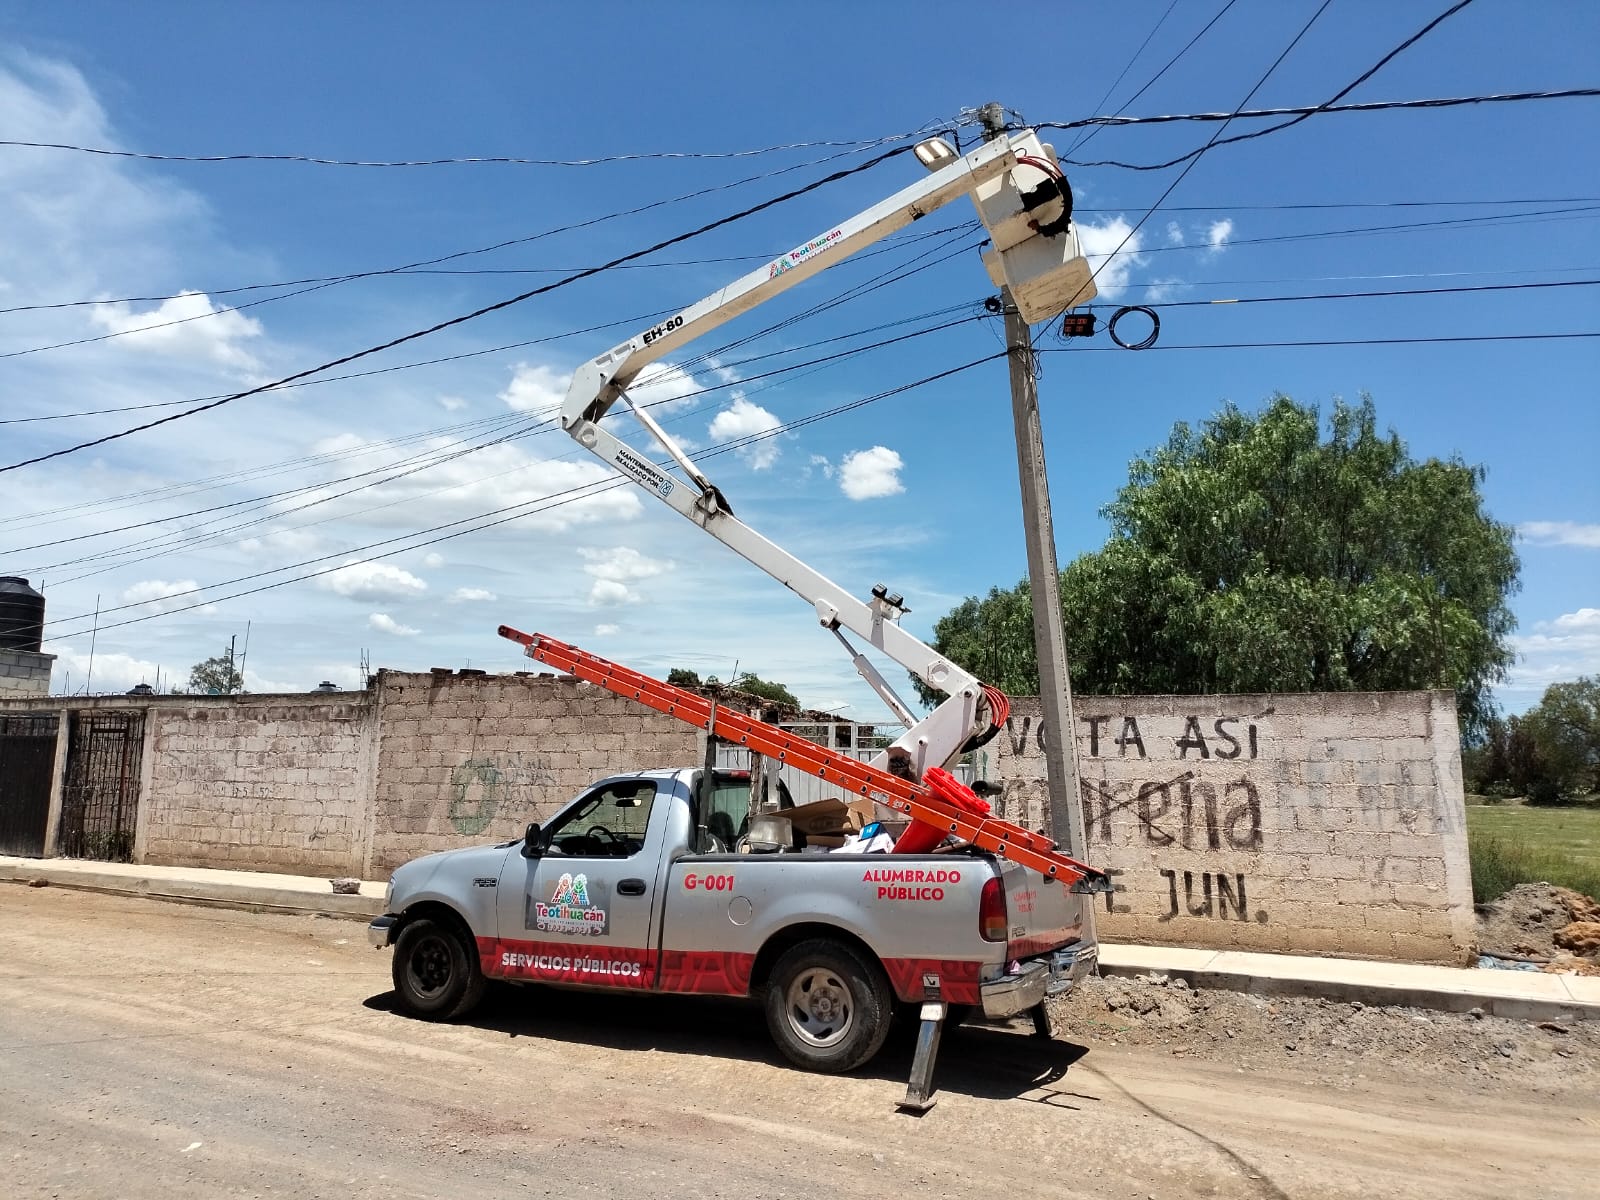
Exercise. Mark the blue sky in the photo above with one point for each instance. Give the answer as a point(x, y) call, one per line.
point(917, 490)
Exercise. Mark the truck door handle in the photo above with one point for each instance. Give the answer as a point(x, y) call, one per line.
point(630, 887)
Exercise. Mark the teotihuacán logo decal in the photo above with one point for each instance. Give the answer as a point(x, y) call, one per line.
point(575, 907)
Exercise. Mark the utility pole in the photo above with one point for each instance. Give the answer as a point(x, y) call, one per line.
point(1044, 578)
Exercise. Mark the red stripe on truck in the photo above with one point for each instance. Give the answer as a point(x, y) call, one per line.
point(700, 972)
point(567, 962)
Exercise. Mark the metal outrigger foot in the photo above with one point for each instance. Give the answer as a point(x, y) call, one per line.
point(919, 1091)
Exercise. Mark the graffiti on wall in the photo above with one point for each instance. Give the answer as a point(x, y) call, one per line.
point(1104, 735)
point(1215, 895)
point(1181, 783)
point(1184, 811)
point(480, 786)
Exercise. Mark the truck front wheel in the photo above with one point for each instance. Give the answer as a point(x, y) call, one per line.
point(828, 1008)
point(436, 972)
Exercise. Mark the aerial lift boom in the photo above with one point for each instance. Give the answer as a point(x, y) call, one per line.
point(1025, 203)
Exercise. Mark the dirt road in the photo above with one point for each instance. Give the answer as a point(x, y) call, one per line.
point(152, 1050)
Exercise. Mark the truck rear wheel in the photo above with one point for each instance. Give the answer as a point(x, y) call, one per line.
point(828, 1008)
point(436, 971)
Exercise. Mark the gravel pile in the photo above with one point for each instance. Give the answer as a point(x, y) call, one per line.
point(1553, 926)
point(1338, 1042)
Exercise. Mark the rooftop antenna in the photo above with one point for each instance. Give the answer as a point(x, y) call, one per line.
point(93, 637)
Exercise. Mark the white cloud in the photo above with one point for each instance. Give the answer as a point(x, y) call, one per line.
point(491, 479)
point(742, 419)
point(667, 386)
point(186, 326)
point(1584, 620)
point(1174, 234)
point(113, 672)
point(614, 569)
point(157, 595)
point(299, 542)
point(1557, 650)
point(540, 390)
point(1110, 265)
point(606, 593)
point(1560, 533)
point(384, 623)
point(1218, 234)
point(867, 474)
point(536, 389)
point(433, 561)
point(372, 581)
point(607, 630)
point(468, 595)
point(452, 403)
point(821, 463)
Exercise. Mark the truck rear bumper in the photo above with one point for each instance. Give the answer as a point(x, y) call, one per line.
point(1053, 974)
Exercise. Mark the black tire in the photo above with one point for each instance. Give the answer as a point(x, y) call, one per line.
point(436, 971)
point(828, 1007)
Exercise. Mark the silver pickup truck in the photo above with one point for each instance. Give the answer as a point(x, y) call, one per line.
point(630, 887)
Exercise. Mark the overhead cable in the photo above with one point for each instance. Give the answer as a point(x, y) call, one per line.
point(468, 160)
point(499, 515)
point(1089, 134)
point(1196, 156)
point(479, 312)
point(1326, 105)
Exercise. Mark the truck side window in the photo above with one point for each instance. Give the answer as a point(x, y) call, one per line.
point(609, 823)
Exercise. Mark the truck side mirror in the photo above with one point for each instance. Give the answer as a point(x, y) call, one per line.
point(531, 845)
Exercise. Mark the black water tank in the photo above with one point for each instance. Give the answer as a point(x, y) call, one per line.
point(21, 615)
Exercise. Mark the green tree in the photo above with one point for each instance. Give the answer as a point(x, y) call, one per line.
point(1253, 555)
point(216, 675)
point(776, 693)
point(1565, 726)
point(680, 677)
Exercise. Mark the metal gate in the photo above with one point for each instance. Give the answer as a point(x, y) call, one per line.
point(100, 801)
point(27, 765)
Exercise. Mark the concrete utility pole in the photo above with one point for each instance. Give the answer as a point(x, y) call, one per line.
point(1044, 578)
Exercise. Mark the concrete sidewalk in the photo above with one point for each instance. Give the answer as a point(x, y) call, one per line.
point(252, 890)
point(1521, 995)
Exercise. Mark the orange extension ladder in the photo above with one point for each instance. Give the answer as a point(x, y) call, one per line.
point(942, 802)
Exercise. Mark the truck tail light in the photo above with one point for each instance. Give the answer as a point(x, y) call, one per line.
point(992, 917)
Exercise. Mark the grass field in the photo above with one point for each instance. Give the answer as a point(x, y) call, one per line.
point(1515, 843)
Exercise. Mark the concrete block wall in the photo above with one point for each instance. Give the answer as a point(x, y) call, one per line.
point(464, 759)
point(25, 673)
point(265, 783)
point(1292, 823)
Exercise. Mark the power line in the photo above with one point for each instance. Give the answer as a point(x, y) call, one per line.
point(425, 267)
point(1126, 67)
point(448, 454)
point(1195, 157)
point(483, 311)
point(1455, 202)
point(1538, 216)
point(516, 511)
point(470, 160)
point(1327, 105)
point(318, 283)
point(1400, 341)
point(1090, 134)
point(1302, 111)
point(893, 276)
point(1444, 291)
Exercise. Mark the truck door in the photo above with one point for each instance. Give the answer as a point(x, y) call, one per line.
point(582, 911)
